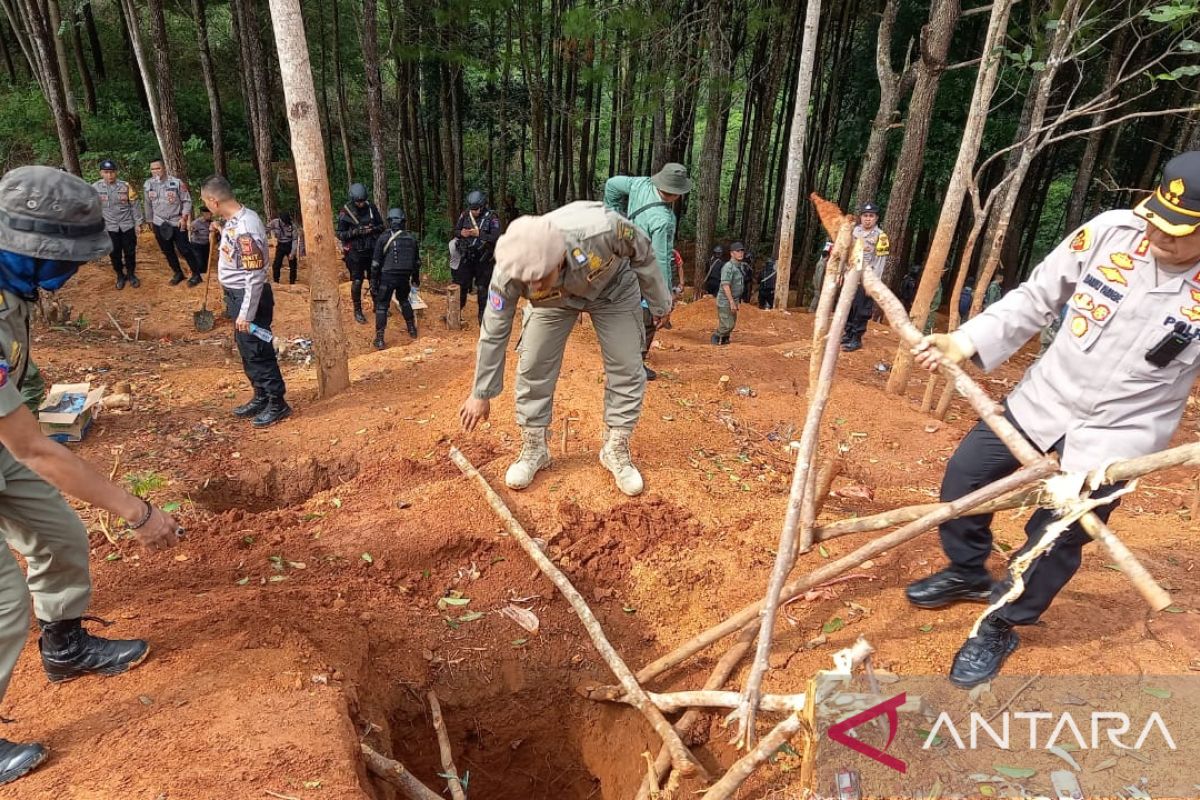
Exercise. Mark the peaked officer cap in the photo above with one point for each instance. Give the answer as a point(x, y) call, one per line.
point(1174, 208)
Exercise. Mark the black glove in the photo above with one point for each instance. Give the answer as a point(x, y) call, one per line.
point(375, 277)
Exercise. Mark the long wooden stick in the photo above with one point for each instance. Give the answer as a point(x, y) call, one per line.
point(1013, 439)
point(718, 678)
point(449, 771)
point(1026, 475)
point(745, 766)
point(682, 760)
point(785, 555)
point(397, 775)
point(671, 702)
point(834, 267)
point(1187, 455)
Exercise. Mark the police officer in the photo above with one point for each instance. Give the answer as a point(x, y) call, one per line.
point(1113, 385)
point(34, 516)
point(249, 301)
point(477, 231)
point(359, 225)
point(875, 252)
point(169, 211)
point(395, 267)
point(712, 279)
point(766, 285)
point(731, 293)
point(819, 276)
point(578, 258)
point(648, 203)
point(200, 237)
point(122, 218)
point(288, 237)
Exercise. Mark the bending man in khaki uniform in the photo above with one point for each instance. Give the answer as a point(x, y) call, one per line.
point(579, 258)
point(1113, 385)
point(50, 223)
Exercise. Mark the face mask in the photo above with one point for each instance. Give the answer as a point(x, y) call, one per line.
point(24, 275)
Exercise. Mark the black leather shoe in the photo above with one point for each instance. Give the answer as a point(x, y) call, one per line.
point(194, 280)
point(19, 759)
point(252, 408)
point(277, 409)
point(379, 344)
point(358, 317)
point(120, 283)
point(412, 328)
point(851, 345)
point(134, 282)
point(715, 339)
point(981, 656)
point(177, 279)
point(651, 375)
point(946, 587)
point(69, 651)
point(725, 339)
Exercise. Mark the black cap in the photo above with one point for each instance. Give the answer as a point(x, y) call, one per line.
point(869, 208)
point(737, 246)
point(108, 163)
point(1174, 208)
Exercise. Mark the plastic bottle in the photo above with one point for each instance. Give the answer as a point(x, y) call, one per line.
point(261, 333)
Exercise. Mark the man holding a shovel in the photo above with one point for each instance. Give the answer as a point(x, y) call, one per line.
point(242, 270)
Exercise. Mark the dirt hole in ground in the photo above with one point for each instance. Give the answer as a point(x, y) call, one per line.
point(264, 487)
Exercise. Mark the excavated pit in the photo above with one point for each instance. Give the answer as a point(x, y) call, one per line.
point(256, 488)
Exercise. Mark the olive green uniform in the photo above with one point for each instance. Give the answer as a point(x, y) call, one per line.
point(731, 276)
point(609, 266)
point(34, 518)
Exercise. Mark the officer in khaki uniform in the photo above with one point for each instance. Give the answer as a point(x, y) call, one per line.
point(50, 223)
point(122, 218)
point(1112, 385)
point(577, 259)
point(875, 252)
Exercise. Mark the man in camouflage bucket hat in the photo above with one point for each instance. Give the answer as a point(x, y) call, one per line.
point(50, 223)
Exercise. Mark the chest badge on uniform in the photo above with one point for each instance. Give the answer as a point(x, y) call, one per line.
point(1192, 312)
point(1084, 302)
point(1115, 273)
point(1122, 260)
point(1082, 240)
point(1079, 326)
point(578, 256)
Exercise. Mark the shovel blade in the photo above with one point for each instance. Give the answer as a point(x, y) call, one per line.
point(203, 320)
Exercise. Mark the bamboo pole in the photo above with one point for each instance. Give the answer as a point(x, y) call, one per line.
point(1043, 468)
point(681, 760)
point(449, 771)
point(799, 502)
point(397, 775)
point(1013, 439)
point(835, 266)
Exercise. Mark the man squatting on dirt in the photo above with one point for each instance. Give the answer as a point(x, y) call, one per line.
point(50, 223)
point(578, 258)
point(1112, 385)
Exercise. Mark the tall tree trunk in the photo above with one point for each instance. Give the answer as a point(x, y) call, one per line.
point(628, 82)
point(1091, 150)
point(312, 177)
point(41, 40)
point(721, 58)
point(892, 87)
point(343, 106)
point(94, 40)
point(140, 74)
point(9, 65)
point(583, 178)
point(935, 44)
point(199, 11)
point(85, 74)
point(54, 17)
point(168, 118)
point(257, 87)
point(369, 37)
point(795, 158)
point(530, 22)
point(956, 190)
point(760, 141)
point(735, 183)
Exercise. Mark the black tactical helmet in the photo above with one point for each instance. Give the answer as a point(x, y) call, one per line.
point(476, 199)
point(358, 192)
point(396, 216)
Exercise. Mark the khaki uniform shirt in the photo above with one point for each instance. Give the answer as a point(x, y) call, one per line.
point(1094, 385)
point(876, 248)
point(167, 200)
point(731, 274)
point(122, 211)
point(601, 246)
point(241, 265)
point(14, 350)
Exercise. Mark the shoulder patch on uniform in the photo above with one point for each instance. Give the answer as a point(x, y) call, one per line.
point(1083, 240)
point(883, 245)
point(252, 257)
point(1143, 247)
point(4, 370)
point(625, 230)
point(578, 256)
point(1192, 312)
point(496, 300)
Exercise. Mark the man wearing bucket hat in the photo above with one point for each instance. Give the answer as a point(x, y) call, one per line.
point(122, 218)
point(648, 203)
point(1112, 385)
point(50, 223)
point(580, 258)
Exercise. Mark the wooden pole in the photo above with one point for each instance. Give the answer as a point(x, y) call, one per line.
point(397, 775)
point(449, 771)
point(308, 152)
point(744, 767)
point(453, 309)
point(682, 760)
point(835, 266)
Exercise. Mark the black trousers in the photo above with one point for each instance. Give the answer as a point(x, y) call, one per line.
point(171, 238)
point(258, 357)
point(399, 285)
point(284, 250)
point(860, 315)
point(474, 271)
point(200, 252)
point(359, 264)
point(124, 252)
point(980, 459)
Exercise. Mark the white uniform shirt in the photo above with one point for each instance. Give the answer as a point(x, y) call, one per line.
point(241, 265)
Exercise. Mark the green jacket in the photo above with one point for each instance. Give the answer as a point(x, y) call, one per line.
point(639, 201)
point(731, 274)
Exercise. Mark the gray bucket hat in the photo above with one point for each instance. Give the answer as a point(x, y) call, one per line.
point(48, 213)
point(672, 179)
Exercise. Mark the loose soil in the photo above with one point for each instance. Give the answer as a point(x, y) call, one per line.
point(299, 617)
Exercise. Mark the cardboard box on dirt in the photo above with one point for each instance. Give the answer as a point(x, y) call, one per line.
point(68, 410)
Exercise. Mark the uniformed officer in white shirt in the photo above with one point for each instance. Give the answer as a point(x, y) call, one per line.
point(122, 218)
point(876, 248)
point(1112, 385)
point(169, 212)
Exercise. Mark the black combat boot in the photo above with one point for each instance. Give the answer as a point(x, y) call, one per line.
point(356, 301)
point(19, 759)
point(379, 344)
point(120, 282)
point(850, 345)
point(949, 586)
point(133, 280)
point(69, 651)
point(981, 656)
point(651, 375)
point(252, 408)
point(411, 325)
point(276, 409)
point(177, 279)
point(715, 339)
point(194, 280)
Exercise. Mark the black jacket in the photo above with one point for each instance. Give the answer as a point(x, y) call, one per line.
point(358, 228)
point(397, 255)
